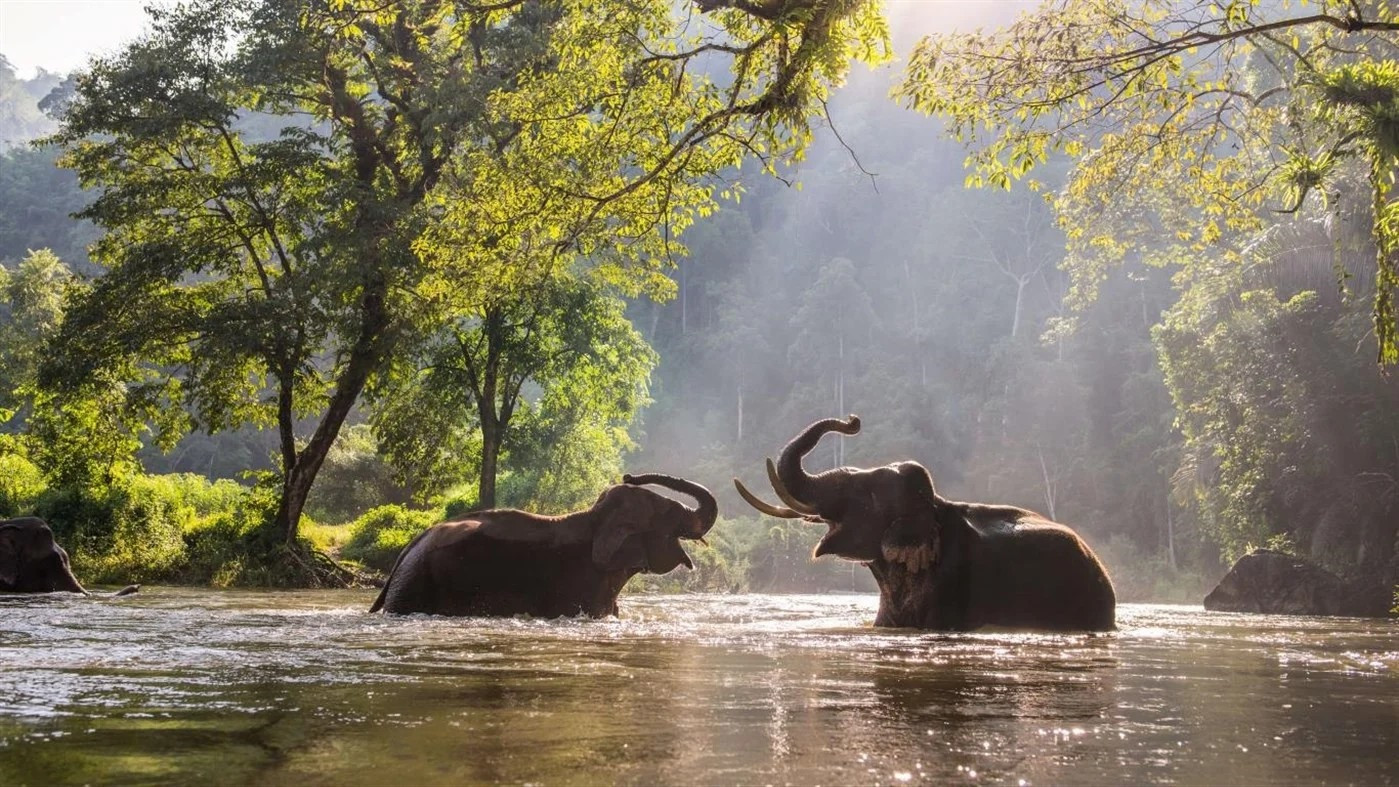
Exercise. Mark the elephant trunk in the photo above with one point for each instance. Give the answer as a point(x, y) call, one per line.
point(706, 512)
point(69, 583)
point(790, 472)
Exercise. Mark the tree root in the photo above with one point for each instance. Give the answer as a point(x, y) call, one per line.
point(310, 567)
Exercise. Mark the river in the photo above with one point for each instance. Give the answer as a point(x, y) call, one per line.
point(192, 686)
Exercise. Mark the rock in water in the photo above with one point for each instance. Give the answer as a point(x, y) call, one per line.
point(1276, 584)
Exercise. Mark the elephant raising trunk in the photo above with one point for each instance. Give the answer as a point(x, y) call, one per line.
point(941, 564)
point(793, 484)
point(708, 508)
point(806, 496)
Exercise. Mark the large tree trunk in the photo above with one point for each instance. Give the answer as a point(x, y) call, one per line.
point(364, 356)
point(490, 453)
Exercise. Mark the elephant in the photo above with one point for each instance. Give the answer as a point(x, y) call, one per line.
point(32, 562)
point(506, 562)
point(940, 564)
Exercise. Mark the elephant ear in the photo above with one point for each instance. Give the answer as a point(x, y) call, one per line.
point(913, 538)
point(10, 554)
point(614, 547)
point(619, 518)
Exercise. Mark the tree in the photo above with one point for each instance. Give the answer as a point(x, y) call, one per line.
point(432, 152)
point(517, 379)
point(20, 116)
point(31, 308)
point(1194, 124)
point(78, 440)
point(37, 200)
point(1288, 432)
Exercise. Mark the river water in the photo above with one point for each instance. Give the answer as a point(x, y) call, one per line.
point(186, 686)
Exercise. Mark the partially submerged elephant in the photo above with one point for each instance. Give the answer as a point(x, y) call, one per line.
point(32, 562)
point(941, 564)
point(506, 562)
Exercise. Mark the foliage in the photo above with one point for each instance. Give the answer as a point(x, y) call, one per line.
point(378, 536)
point(31, 308)
point(21, 118)
point(544, 385)
point(430, 152)
point(21, 483)
point(203, 496)
point(131, 531)
point(37, 199)
point(88, 437)
point(221, 548)
point(355, 478)
point(237, 547)
point(1289, 435)
point(1190, 122)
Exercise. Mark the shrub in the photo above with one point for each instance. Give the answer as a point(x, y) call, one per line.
point(239, 547)
point(204, 496)
point(218, 548)
point(1139, 577)
point(379, 535)
point(21, 484)
point(459, 507)
point(130, 532)
point(354, 478)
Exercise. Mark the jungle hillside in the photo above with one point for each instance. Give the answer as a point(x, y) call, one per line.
point(284, 284)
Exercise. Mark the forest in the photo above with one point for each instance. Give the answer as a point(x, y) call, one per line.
point(273, 303)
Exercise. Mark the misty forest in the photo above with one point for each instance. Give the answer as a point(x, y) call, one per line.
point(284, 284)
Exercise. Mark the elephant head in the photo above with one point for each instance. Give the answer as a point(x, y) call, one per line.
point(638, 528)
point(887, 512)
point(31, 561)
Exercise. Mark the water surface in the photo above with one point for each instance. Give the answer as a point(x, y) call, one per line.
point(186, 686)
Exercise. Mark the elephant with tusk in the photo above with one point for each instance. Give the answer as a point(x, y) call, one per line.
point(506, 562)
point(32, 562)
point(941, 564)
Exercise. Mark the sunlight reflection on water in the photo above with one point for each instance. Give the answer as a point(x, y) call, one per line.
point(181, 685)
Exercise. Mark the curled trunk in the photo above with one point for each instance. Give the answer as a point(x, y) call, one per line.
point(794, 477)
point(708, 508)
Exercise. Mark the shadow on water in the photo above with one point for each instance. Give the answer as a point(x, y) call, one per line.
point(185, 686)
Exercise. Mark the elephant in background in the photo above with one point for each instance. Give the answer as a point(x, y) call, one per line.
point(941, 564)
point(32, 562)
point(506, 562)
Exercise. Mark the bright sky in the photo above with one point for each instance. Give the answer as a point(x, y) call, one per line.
point(60, 35)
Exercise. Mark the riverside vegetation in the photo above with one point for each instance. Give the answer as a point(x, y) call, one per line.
point(230, 396)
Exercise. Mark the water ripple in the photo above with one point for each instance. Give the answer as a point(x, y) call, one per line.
point(179, 685)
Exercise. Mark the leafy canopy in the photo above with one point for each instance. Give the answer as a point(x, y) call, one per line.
point(1194, 124)
point(288, 189)
point(551, 382)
